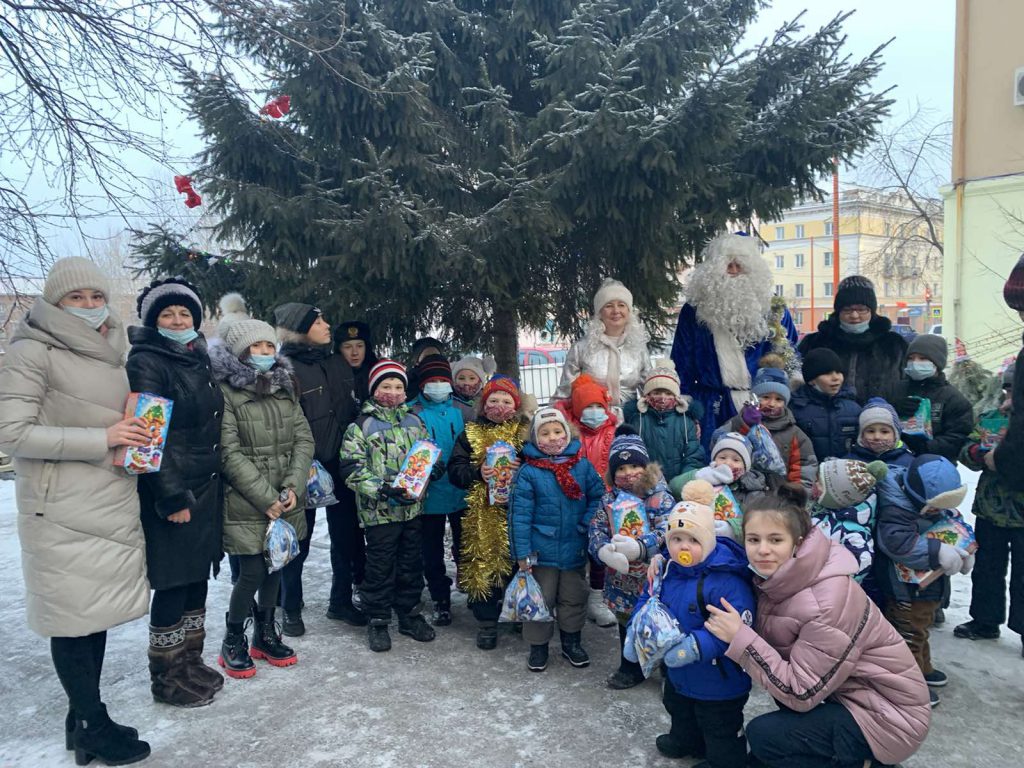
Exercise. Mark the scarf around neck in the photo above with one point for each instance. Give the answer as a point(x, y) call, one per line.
point(563, 474)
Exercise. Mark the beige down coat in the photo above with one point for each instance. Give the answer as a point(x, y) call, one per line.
point(82, 549)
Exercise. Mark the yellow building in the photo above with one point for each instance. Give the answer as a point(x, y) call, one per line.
point(874, 241)
point(985, 201)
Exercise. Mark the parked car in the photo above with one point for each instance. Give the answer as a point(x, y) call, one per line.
point(905, 331)
point(936, 329)
point(540, 356)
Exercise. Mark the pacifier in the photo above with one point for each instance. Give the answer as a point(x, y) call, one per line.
point(684, 558)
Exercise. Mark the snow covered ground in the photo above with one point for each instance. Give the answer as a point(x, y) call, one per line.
point(439, 704)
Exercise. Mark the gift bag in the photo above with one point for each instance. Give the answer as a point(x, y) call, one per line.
point(654, 629)
point(414, 474)
point(764, 453)
point(319, 487)
point(156, 412)
point(524, 601)
point(991, 430)
point(280, 545)
point(628, 515)
point(920, 423)
point(499, 457)
point(951, 529)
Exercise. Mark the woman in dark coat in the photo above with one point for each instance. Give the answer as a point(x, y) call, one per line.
point(182, 503)
point(872, 353)
point(326, 394)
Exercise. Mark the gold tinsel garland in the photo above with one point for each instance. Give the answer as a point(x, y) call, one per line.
point(780, 341)
point(485, 558)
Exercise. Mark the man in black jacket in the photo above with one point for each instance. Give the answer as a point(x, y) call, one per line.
point(1008, 457)
point(326, 387)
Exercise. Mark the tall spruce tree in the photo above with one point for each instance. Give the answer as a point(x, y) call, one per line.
point(481, 165)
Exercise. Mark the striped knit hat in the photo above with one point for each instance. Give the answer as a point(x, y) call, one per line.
point(627, 448)
point(170, 292)
point(433, 367)
point(878, 411)
point(387, 369)
point(662, 376)
point(500, 383)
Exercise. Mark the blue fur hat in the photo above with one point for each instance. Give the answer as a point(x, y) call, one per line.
point(933, 481)
point(772, 380)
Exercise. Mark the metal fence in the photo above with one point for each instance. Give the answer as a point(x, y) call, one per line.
point(541, 381)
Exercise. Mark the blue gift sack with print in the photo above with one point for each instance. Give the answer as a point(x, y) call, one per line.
point(280, 546)
point(319, 487)
point(653, 629)
point(524, 600)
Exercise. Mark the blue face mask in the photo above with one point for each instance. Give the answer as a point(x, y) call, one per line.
point(94, 317)
point(855, 328)
point(919, 370)
point(594, 417)
point(437, 391)
point(182, 337)
point(262, 362)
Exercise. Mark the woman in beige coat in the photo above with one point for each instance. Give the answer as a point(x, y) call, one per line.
point(63, 390)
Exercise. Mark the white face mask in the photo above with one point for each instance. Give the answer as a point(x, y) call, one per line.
point(919, 370)
point(437, 391)
point(94, 317)
point(855, 328)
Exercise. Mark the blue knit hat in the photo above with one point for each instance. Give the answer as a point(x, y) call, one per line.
point(933, 481)
point(772, 380)
point(878, 411)
point(627, 448)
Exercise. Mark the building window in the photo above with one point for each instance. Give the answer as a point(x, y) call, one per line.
point(936, 289)
point(799, 261)
point(828, 289)
point(888, 290)
point(799, 231)
point(828, 229)
point(778, 290)
point(828, 258)
point(798, 317)
point(780, 261)
point(799, 288)
point(780, 233)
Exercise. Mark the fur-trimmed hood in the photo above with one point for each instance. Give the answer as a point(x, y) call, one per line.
point(648, 482)
point(230, 370)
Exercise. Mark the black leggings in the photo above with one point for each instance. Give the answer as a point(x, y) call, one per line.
point(79, 662)
point(252, 578)
point(169, 605)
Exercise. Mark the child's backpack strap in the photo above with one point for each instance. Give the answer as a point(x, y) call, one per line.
point(702, 606)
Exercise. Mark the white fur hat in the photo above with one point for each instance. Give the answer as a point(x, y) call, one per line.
point(612, 290)
point(483, 367)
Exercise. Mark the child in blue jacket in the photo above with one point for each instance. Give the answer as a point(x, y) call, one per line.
point(705, 692)
point(824, 407)
point(442, 416)
point(556, 493)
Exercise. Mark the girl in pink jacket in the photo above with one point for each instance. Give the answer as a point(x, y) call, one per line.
point(846, 681)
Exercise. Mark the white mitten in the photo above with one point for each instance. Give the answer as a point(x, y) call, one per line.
point(950, 560)
point(720, 475)
point(627, 546)
point(722, 528)
point(613, 559)
point(968, 562)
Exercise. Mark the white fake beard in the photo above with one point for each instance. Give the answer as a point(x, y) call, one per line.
point(738, 305)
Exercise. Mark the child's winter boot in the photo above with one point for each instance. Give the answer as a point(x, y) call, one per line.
point(487, 636)
point(234, 652)
point(573, 651)
point(538, 660)
point(442, 616)
point(416, 627)
point(266, 641)
point(378, 636)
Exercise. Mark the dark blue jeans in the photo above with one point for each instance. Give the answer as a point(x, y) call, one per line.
point(825, 737)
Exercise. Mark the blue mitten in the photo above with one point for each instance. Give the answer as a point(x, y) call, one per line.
point(686, 651)
point(629, 647)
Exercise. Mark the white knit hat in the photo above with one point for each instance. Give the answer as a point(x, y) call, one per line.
point(548, 415)
point(73, 274)
point(242, 334)
point(662, 376)
point(733, 441)
point(612, 290)
point(232, 308)
point(483, 367)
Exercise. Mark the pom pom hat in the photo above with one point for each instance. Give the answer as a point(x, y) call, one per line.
point(174, 291)
point(627, 448)
point(662, 376)
point(846, 482)
point(693, 515)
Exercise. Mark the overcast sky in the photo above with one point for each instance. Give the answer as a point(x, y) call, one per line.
point(918, 67)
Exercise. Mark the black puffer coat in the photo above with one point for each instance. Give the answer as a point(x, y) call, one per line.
point(873, 360)
point(952, 416)
point(1009, 455)
point(326, 394)
point(189, 476)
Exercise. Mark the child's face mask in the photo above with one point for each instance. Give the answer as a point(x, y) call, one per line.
point(499, 412)
point(552, 439)
point(878, 438)
point(919, 370)
point(661, 402)
point(389, 399)
point(594, 416)
point(626, 476)
point(771, 405)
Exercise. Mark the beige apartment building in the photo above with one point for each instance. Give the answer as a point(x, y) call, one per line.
point(876, 239)
point(985, 201)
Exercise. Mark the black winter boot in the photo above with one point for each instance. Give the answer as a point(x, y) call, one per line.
point(416, 627)
point(487, 636)
point(234, 652)
point(168, 670)
point(347, 613)
point(538, 660)
point(377, 635)
point(573, 651)
point(442, 616)
point(69, 729)
point(195, 638)
point(101, 737)
point(266, 641)
point(293, 625)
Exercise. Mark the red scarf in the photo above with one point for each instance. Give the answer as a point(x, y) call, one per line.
point(563, 474)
